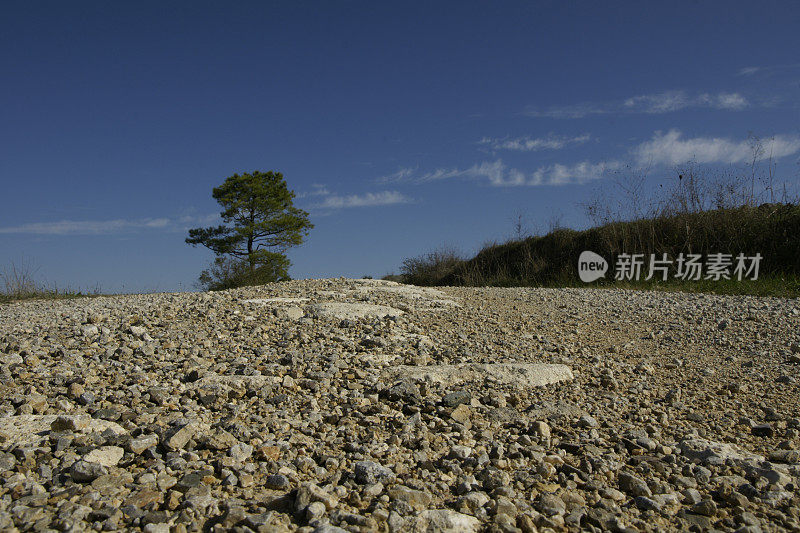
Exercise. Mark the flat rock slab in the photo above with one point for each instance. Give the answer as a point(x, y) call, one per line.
point(717, 453)
point(235, 381)
point(353, 311)
point(30, 430)
point(514, 374)
point(443, 521)
point(376, 282)
point(330, 294)
point(405, 290)
point(444, 303)
point(267, 301)
point(105, 455)
point(558, 410)
point(423, 294)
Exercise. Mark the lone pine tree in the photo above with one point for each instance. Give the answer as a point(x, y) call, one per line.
point(260, 224)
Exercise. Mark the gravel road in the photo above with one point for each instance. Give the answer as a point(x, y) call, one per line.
point(361, 405)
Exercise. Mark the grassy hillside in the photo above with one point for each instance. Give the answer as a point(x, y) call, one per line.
point(773, 230)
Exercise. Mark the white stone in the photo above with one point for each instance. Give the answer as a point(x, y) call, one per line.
point(105, 455)
point(31, 430)
point(275, 301)
point(515, 374)
point(713, 452)
point(353, 311)
point(376, 282)
point(216, 381)
point(293, 313)
point(444, 521)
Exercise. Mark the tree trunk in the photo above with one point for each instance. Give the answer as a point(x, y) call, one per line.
point(250, 257)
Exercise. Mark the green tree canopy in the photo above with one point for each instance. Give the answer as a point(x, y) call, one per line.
point(260, 224)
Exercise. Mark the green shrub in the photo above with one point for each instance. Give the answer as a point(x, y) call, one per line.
point(430, 268)
point(230, 272)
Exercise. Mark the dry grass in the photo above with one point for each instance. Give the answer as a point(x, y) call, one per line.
point(18, 282)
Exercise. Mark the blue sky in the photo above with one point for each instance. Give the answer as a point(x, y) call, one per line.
point(401, 126)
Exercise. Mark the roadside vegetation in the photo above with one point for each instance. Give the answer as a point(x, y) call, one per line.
point(18, 282)
point(740, 212)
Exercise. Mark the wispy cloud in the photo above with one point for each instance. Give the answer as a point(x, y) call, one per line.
point(211, 218)
point(580, 110)
point(404, 174)
point(749, 71)
point(577, 173)
point(670, 101)
point(369, 199)
point(493, 170)
point(499, 175)
point(766, 69)
point(729, 101)
point(87, 227)
point(108, 227)
point(665, 102)
point(671, 149)
point(317, 189)
point(529, 144)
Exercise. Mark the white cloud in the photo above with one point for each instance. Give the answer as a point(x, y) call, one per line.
point(569, 111)
point(749, 71)
point(108, 227)
point(441, 174)
point(671, 149)
point(528, 144)
point(657, 103)
point(493, 170)
point(665, 102)
point(369, 199)
point(211, 218)
point(572, 174)
point(731, 101)
point(87, 227)
point(499, 175)
point(401, 175)
point(317, 189)
point(767, 69)
point(676, 100)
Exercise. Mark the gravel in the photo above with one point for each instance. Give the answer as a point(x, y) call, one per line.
point(364, 405)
